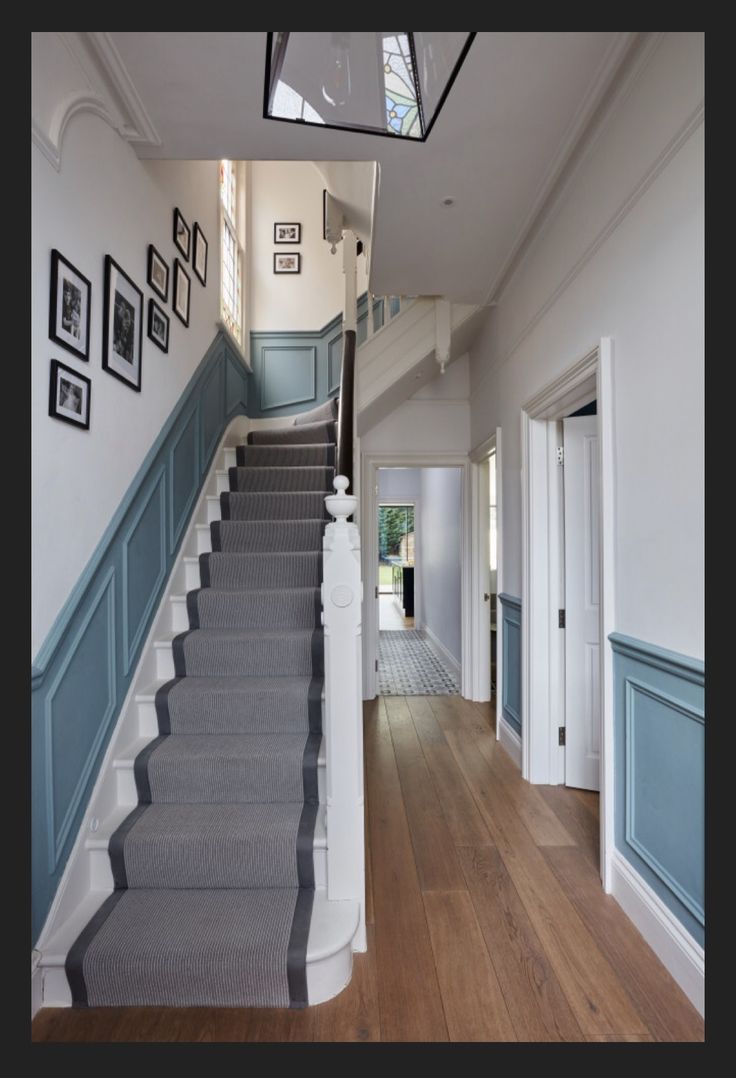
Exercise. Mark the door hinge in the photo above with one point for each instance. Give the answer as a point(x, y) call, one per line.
point(376, 590)
point(560, 454)
point(376, 665)
point(561, 735)
point(560, 619)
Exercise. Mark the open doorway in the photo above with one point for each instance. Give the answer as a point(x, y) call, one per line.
point(419, 580)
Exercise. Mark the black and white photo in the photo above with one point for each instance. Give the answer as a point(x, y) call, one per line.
point(287, 232)
point(69, 307)
point(158, 325)
point(69, 395)
point(182, 290)
point(199, 257)
point(158, 273)
point(287, 263)
point(182, 233)
point(123, 325)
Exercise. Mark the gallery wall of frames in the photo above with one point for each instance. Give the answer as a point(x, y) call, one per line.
point(125, 308)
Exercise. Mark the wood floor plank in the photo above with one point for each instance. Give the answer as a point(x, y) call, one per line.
point(597, 997)
point(464, 821)
point(590, 798)
point(621, 1038)
point(408, 990)
point(662, 1004)
point(434, 849)
point(276, 1025)
point(474, 1005)
point(538, 1007)
point(577, 820)
point(353, 1016)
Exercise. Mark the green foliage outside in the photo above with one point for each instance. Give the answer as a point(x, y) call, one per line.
point(394, 522)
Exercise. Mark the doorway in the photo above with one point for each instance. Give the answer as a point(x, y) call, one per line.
point(416, 575)
point(567, 585)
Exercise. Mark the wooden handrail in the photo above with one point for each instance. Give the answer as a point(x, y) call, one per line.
point(346, 408)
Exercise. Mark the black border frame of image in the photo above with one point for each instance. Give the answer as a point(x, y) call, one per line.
point(282, 254)
point(56, 258)
point(152, 305)
point(288, 224)
point(178, 215)
point(197, 237)
point(178, 268)
point(56, 366)
point(154, 253)
point(109, 263)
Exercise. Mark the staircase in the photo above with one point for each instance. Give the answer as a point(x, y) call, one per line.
point(220, 870)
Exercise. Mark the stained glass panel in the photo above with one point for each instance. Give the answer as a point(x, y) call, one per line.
point(402, 113)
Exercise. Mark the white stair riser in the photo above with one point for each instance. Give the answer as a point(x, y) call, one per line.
point(223, 482)
point(230, 455)
point(213, 509)
point(100, 869)
point(164, 661)
point(191, 574)
point(204, 539)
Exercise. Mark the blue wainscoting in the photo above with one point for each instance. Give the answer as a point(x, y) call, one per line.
point(659, 731)
point(511, 659)
point(298, 370)
point(84, 669)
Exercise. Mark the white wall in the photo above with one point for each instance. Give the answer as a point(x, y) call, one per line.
point(292, 191)
point(621, 254)
point(439, 563)
point(105, 201)
point(435, 420)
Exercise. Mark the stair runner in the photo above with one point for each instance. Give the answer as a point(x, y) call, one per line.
point(213, 870)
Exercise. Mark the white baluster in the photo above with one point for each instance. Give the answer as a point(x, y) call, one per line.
point(342, 595)
point(350, 269)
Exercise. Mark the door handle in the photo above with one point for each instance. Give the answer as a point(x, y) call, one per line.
point(486, 597)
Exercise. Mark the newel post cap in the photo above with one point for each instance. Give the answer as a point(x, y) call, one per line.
point(341, 505)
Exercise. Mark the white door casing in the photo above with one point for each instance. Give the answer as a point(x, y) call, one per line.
point(582, 603)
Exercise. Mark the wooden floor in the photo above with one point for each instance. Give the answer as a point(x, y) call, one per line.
point(486, 918)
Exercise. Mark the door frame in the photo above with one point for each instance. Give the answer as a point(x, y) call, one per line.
point(370, 463)
point(541, 646)
point(481, 656)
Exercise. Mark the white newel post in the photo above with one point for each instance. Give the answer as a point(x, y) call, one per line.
point(342, 596)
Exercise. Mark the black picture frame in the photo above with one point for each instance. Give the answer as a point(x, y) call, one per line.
point(280, 261)
point(122, 331)
point(70, 394)
point(199, 253)
point(180, 276)
point(182, 233)
point(158, 268)
point(156, 312)
point(70, 306)
point(287, 232)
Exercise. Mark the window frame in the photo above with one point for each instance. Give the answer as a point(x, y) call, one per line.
point(236, 228)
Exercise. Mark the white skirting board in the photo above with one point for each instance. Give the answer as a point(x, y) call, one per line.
point(446, 657)
point(673, 945)
point(510, 740)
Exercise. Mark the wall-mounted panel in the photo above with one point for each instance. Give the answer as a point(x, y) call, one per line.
point(78, 708)
point(660, 773)
point(511, 659)
point(183, 474)
point(211, 409)
point(288, 375)
point(82, 673)
point(144, 564)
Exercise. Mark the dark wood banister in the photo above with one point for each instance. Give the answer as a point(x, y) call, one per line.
point(346, 408)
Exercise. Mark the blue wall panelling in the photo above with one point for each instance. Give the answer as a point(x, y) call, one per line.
point(659, 737)
point(511, 659)
point(83, 671)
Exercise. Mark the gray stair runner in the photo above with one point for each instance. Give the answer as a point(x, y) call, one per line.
point(214, 869)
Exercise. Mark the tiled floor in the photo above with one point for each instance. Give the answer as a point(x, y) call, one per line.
point(407, 666)
point(390, 615)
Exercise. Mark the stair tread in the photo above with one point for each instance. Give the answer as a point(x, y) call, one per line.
point(332, 927)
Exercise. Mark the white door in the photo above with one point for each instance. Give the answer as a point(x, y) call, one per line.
point(582, 603)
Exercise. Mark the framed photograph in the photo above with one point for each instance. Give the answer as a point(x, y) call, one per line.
point(69, 395)
point(182, 290)
point(287, 263)
point(69, 307)
point(182, 233)
point(158, 273)
point(287, 233)
point(199, 257)
point(158, 325)
point(122, 334)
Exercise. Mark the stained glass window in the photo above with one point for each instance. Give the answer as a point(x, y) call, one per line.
point(292, 106)
point(402, 113)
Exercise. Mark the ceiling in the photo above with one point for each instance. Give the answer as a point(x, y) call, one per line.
point(511, 120)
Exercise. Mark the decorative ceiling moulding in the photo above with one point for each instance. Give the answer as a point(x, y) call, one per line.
point(105, 89)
